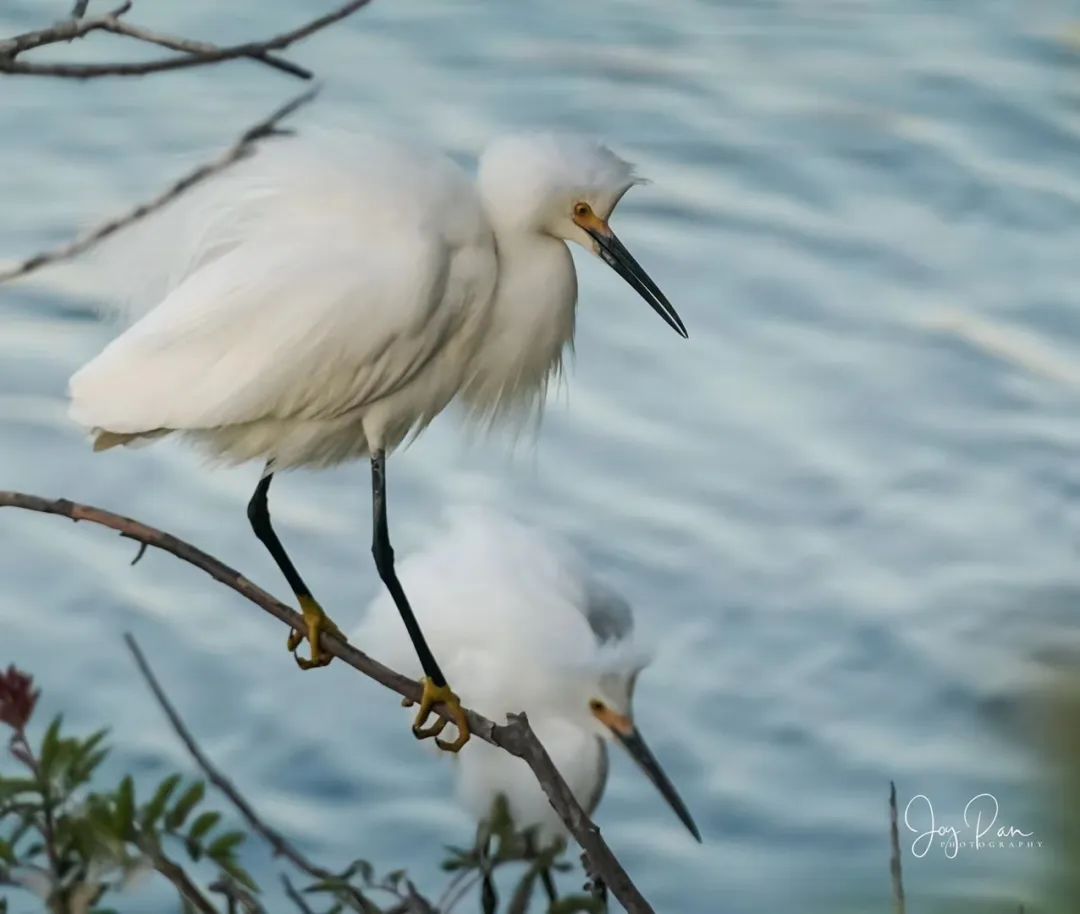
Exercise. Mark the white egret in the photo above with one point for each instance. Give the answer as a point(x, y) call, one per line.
point(322, 300)
point(521, 625)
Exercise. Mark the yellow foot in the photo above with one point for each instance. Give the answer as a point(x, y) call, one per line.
point(317, 623)
point(431, 696)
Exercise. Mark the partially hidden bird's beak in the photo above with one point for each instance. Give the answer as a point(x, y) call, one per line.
point(627, 734)
point(614, 253)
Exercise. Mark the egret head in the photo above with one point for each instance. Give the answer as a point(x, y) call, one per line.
point(611, 708)
point(567, 187)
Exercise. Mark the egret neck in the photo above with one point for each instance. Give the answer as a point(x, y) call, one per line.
point(531, 321)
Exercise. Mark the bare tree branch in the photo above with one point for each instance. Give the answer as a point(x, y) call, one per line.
point(515, 737)
point(196, 54)
point(172, 871)
point(899, 905)
point(280, 846)
point(241, 149)
point(77, 27)
point(294, 896)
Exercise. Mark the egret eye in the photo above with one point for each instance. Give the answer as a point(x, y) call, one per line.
point(581, 210)
point(596, 706)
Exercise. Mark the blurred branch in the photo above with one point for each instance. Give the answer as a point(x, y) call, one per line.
point(899, 905)
point(294, 896)
point(172, 871)
point(193, 53)
point(280, 846)
point(241, 149)
point(515, 737)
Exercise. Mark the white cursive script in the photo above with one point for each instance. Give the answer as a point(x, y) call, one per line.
point(980, 817)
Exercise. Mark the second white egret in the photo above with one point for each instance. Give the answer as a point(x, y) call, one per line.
point(523, 626)
point(324, 299)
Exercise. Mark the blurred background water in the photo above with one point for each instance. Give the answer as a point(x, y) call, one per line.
point(845, 510)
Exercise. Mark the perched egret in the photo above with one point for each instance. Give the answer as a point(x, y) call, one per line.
point(324, 299)
point(521, 625)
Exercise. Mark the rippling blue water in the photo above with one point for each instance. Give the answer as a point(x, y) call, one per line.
point(845, 510)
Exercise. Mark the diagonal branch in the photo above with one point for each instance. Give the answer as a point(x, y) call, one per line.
point(280, 846)
point(172, 871)
point(241, 149)
point(196, 54)
point(515, 737)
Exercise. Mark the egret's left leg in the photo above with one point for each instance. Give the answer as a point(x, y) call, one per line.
point(532, 849)
point(317, 620)
point(435, 688)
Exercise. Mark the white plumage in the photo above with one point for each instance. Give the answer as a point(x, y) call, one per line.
point(329, 295)
point(521, 625)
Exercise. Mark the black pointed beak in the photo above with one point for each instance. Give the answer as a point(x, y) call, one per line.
point(641, 754)
point(615, 255)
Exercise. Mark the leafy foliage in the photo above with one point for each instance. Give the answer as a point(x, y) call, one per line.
point(72, 843)
point(75, 843)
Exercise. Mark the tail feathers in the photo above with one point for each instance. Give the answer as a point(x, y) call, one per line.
point(104, 440)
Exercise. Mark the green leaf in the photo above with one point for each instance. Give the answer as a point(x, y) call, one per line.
point(154, 809)
point(239, 874)
point(224, 845)
point(50, 745)
point(577, 904)
point(11, 787)
point(361, 867)
point(82, 770)
point(187, 802)
point(203, 825)
point(88, 754)
point(7, 853)
point(124, 817)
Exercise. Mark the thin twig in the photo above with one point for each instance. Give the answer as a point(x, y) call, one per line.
point(278, 843)
point(236, 894)
point(79, 9)
point(242, 148)
point(176, 875)
point(210, 54)
point(899, 905)
point(280, 846)
point(77, 27)
point(201, 48)
point(294, 896)
point(515, 737)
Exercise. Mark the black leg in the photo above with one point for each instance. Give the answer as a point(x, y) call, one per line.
point(548, 881)
point(384, 562)
point(317, 621)
point(259, 515)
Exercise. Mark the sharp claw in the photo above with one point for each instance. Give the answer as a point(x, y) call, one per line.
point(455, 746)
point(431, 695)
point(434, 730)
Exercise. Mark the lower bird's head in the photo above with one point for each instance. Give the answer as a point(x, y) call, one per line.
point(611, 712)
point(567, 187)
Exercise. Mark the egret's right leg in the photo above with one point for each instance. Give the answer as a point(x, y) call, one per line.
point(317, 620)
